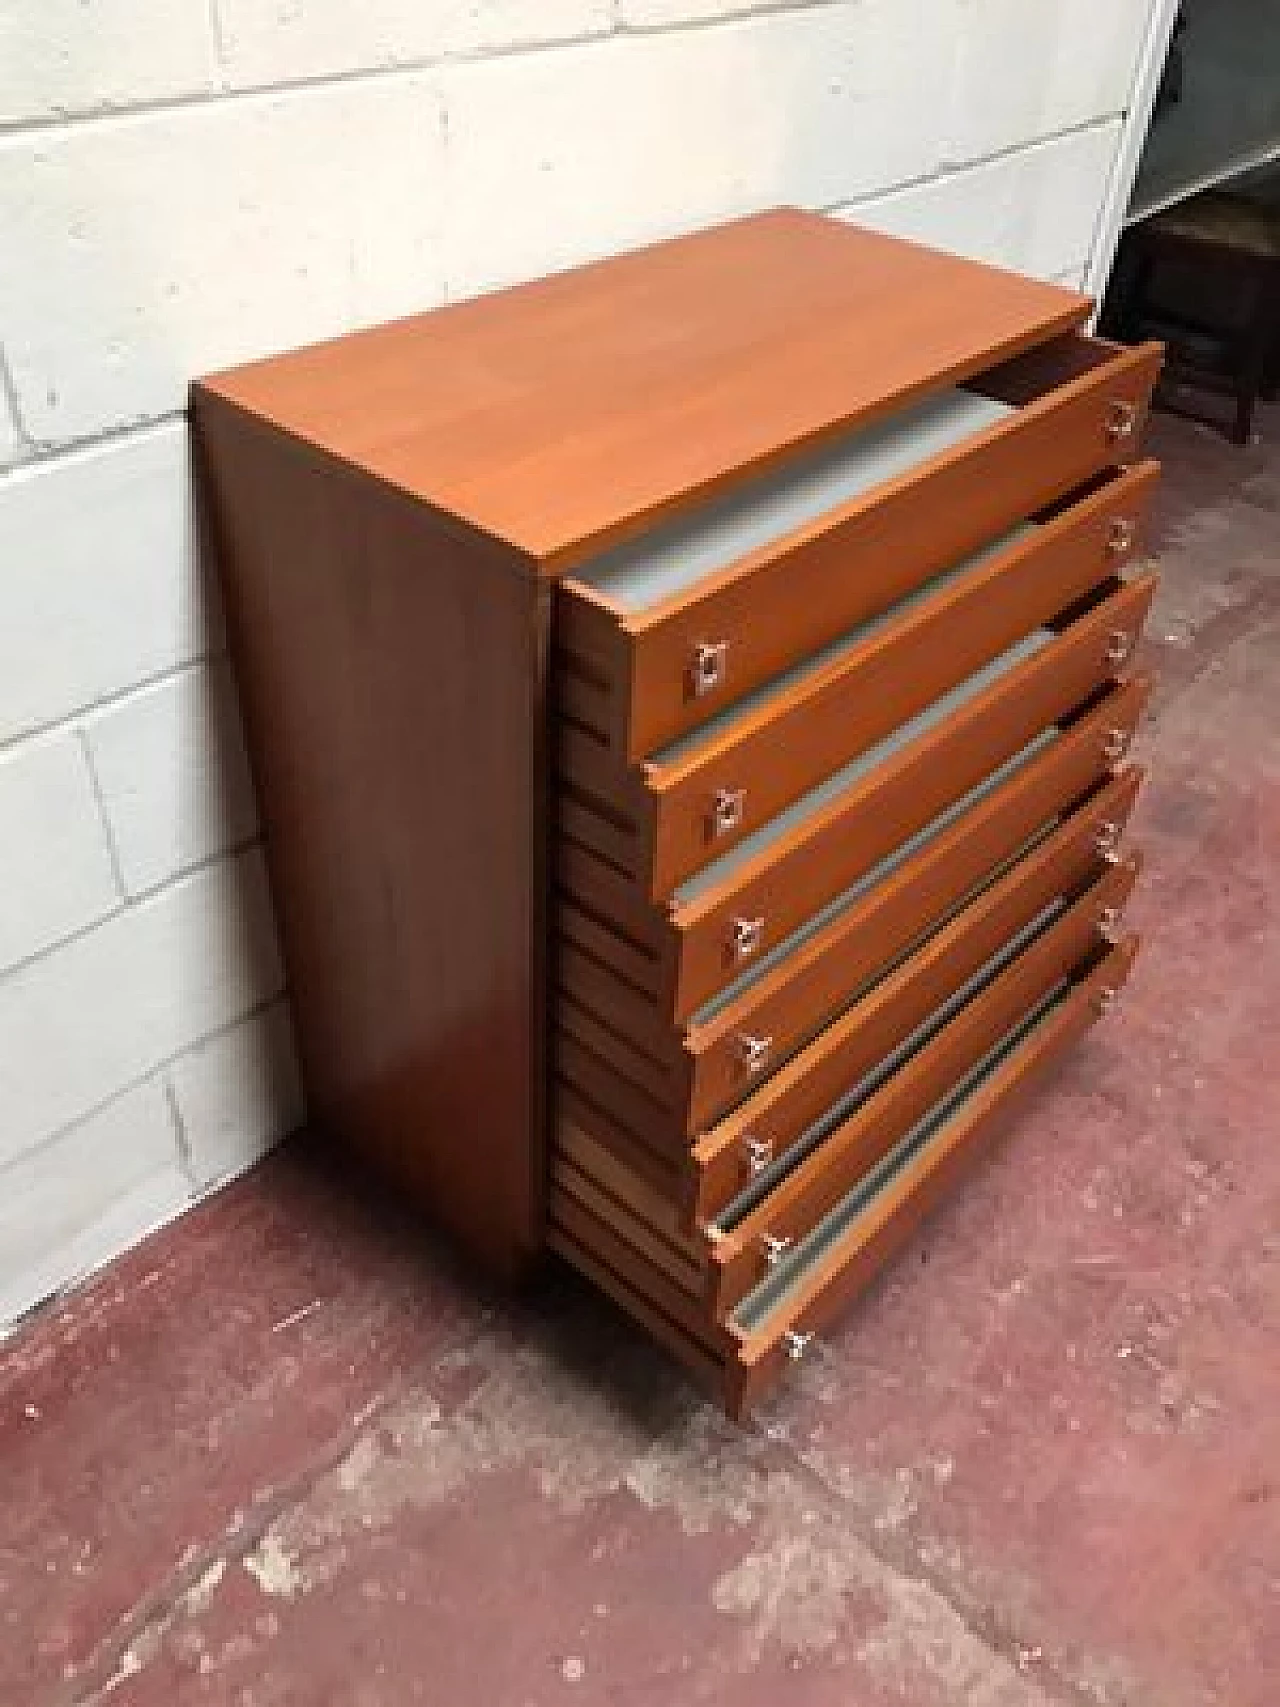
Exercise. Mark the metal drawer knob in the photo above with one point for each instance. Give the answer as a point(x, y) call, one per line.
point(727, 809)
point(796, 1344)
point(710, 658)
point(759, 1154)
point(1119, 645)
point(1109, 925)
point(745, 937)
point(752, 1052)
point(775, 1249)
point(1121, 535)
point(1104, 1000)
point(1106, 839)
point(1122, 420)
point(1115, 745)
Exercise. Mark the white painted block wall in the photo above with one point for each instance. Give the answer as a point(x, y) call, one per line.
point(188, 185)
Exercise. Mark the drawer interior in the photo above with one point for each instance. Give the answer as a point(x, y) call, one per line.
point(669, 560)
point(1045, 368)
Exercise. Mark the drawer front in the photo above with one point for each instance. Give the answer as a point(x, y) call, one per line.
point(705, 1362)
point(637, 1093)
point(660, 1171)
point(655, 1206)
point(740, 1259)
point(643, 679)
point(779, 750)
point(893, 1212)
point(796, 871)
point(708, 952)
point(601, 1235)
point(1064, 860)
point(596, 915)
point(576, 1195)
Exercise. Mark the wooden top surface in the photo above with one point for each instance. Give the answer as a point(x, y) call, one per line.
point(561, 416)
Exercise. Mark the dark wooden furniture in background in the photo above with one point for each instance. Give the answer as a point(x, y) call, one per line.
point(1204, 276)
point(685, 699)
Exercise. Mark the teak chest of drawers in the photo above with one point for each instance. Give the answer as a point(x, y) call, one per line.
point(688, 700)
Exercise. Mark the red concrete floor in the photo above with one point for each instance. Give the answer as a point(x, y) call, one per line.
point(288, 1453)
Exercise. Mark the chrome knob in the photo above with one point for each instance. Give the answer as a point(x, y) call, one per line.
point(758, 1152)
point(796, 1344)
point(1104, 1000)
point(1105, 841)
point(710, 659)
point(1115, 745)
point(726, 810)
point(752, 1052)
point(774, 1249)
point(1121, 535)
point(1119, 645)
point(744, 937)
point(1109, 925)
point(1122, 420)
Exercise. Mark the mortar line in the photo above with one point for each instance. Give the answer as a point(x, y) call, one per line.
point(89, 708)
point(217, 36)
point(182, 1138)
point(9, 392)
point(42, 452)
point(100, 800)
point(958, 167)
point(157, 1068)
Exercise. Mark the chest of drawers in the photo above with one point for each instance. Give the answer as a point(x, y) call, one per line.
point(689, 699)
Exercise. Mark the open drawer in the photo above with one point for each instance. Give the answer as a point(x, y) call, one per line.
point(782, 1207)
point(680, 962)
point(730, 1149)
point(658, 636)
point(868, 1226)
point(736, 1303)
point(690, 843)
point(701, 795)
point(670, 1089)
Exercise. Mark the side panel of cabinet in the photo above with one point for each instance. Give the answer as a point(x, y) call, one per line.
point(392, 678)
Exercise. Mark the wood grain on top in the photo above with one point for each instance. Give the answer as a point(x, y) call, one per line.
point(562, 415)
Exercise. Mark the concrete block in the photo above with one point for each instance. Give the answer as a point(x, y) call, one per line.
point(145, 251)
point(557, 157)
point(1024, 72)
point(55, 867)
point(173, 775)
point(1033, 211)
point(78, 1201)
point(103, 1011)
point(102, 586)
point(237, 1094)
point(59, 57)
